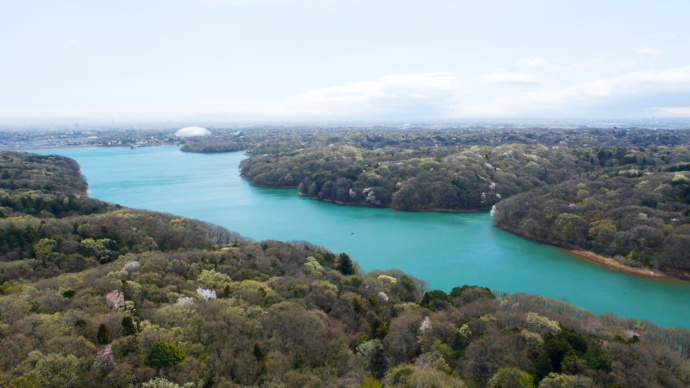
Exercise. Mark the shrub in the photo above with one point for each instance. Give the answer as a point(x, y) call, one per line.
point(164, 354)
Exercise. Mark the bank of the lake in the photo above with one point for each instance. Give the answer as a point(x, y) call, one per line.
point(339, 203)
point(607, 262)
point(445, 249)
point(618, 266)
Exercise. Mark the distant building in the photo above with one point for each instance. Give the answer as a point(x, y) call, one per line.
point(192, 131)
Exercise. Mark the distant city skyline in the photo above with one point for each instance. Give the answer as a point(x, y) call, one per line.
point(331, 61)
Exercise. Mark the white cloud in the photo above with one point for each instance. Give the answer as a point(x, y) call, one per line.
point(530, 62)
point(627, 64)
point(409, 95)
point(666, 81)
point(431, 92)
point(647, 52)
point(683, 111)
point(585, 65)
point(653, 80)
point(512, 78)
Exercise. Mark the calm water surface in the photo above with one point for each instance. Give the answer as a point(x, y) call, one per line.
point(444, 249)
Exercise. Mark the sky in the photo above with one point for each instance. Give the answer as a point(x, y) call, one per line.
point(272, 60)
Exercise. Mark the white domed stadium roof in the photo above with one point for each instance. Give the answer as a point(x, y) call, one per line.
point(192, 131)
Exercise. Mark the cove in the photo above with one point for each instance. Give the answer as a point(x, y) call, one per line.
point(444, 249)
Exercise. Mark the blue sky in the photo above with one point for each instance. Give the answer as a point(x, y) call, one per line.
point(268, 60)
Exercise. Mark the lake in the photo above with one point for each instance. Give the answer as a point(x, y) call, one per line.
point(444, 249)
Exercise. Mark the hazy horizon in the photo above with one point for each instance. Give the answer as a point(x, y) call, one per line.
point(105, 125)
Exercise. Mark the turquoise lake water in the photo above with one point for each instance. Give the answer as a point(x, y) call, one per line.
point(444, 249)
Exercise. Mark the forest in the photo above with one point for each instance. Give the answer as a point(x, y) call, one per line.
point(620, 193)
point(94, 294)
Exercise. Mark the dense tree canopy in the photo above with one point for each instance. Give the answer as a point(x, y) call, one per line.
point(471, 178)
point(636, 212)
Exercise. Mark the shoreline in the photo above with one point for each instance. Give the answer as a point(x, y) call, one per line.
point(614, 265)
point(459, 211)
point(598, 259)
point(60, 147)
point(56, 147)
point(390, 208)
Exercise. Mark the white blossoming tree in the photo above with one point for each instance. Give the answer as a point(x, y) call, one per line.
point(185, 301)
point(131, 265)
point(425, 326)
point(114, 299)
point(383, 297)
point(206, 294)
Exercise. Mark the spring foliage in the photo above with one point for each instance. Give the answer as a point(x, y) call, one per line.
point(284, 315)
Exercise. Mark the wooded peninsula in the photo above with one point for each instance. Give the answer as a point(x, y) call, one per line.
point(622, 194)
